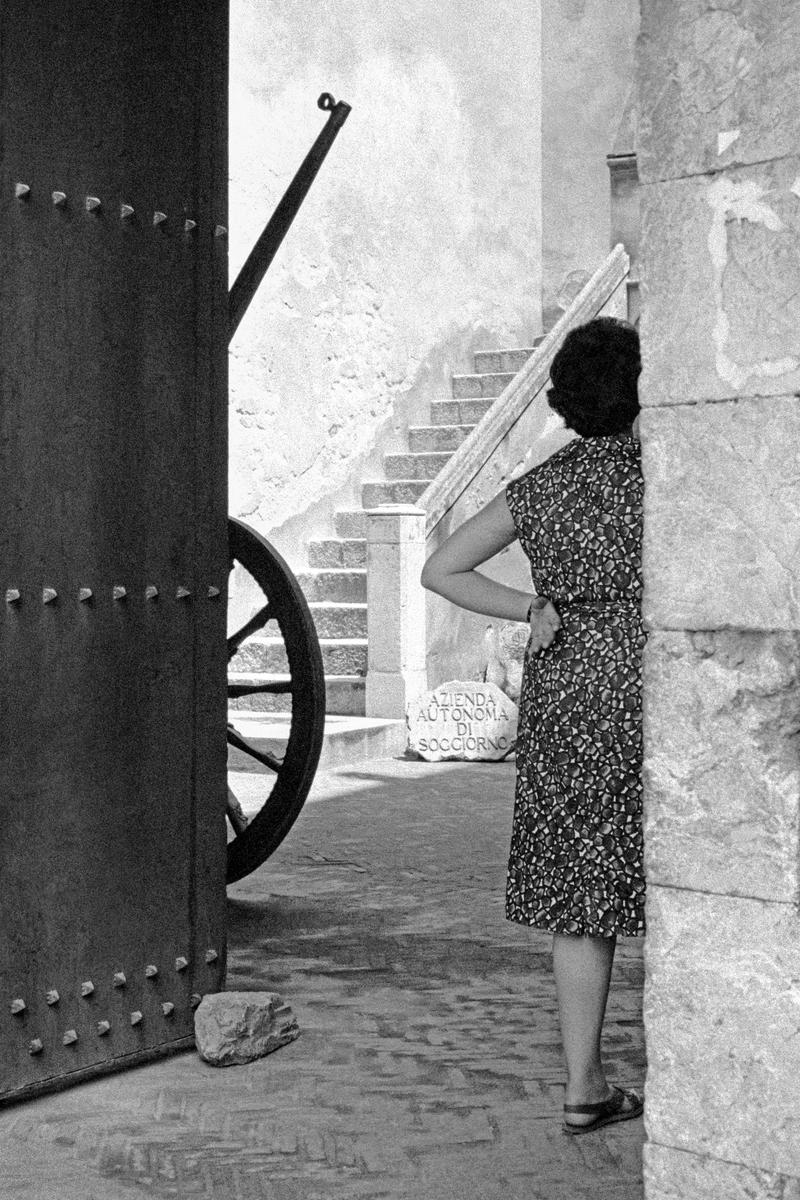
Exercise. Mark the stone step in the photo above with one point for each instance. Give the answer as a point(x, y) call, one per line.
point(267, 656)
point(415, 466)
point(398, 491)
point(339, 620)
point(348, 739)
point(423, 439)
point(350, 523)
point(468, 387)
point(338, 552)
point(459, 412)
point(503, 361)
point(334, 583)
point(345, 694)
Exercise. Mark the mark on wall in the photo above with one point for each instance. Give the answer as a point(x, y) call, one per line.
point(726, 138)
point(737, 202)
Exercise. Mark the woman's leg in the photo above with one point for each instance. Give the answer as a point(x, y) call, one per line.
point(582, 968)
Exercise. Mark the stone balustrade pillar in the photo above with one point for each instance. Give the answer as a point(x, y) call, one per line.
point(395, 609)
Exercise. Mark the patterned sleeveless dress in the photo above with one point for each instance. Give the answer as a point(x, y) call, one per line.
point(575, 865)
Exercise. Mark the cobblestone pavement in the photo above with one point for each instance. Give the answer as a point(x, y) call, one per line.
point(428, 1067)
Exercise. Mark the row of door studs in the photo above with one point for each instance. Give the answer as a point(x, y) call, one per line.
point(70, 1036)
point(119, 593)
point(120, 980)
point(94, 205)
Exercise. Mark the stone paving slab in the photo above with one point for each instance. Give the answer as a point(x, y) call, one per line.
point(428, 1066)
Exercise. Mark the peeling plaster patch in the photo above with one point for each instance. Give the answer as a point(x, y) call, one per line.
point(795, 188)
point(552, 423)
point(726, 139)
point(738, 201)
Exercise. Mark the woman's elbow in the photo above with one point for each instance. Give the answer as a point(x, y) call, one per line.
point(430, 576)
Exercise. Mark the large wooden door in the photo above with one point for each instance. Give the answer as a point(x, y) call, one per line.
point(113, 549)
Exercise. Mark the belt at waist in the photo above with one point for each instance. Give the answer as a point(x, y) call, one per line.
point(625, 607)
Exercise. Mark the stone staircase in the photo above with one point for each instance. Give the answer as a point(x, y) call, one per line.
point(335, 583)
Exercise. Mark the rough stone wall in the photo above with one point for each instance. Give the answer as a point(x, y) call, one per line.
point(419, 242)
point(587, 77)
point(720, 163)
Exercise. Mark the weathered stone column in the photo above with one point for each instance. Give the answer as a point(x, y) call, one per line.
point(395, 609)
point(718, 157)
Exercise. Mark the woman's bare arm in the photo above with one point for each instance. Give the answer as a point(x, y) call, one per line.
point(450, 570)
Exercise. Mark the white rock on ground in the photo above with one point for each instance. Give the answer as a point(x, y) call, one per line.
point(232, 1028)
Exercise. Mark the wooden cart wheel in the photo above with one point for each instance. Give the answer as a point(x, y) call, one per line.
point(288, 778)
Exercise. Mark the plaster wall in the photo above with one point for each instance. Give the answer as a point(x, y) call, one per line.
point(419, 242)
point(588, 70)
point(719, 113)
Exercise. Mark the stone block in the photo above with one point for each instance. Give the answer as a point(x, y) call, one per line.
point(503, 361)
point(232, 1028)
point(722, 514)
point(340, 620)
point(719, 84)
point(425, 465)
point(446, 412)
point(395, 524)
point(473, 411)
point(395, 615)
point(347, 586)
point(462, 720)
point(337, 552)
point(467, 386)
point(722, 1021)
point(423, 439)
point(505, 646)
point(388, 692)
point(394, 492)
point(395, 609)
point(722, 769)
point(677, 1175)
point(350, 523)
point(720, 260)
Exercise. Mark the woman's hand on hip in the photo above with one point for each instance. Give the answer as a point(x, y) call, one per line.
point(544, 622)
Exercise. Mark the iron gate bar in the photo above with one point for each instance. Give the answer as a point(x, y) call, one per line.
point(265, 249)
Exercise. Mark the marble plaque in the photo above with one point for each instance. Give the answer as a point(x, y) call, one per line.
point(462, 720)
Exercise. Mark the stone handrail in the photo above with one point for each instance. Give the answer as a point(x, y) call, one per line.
point(440, 496)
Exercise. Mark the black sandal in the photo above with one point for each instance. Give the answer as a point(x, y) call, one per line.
point(622, 1106)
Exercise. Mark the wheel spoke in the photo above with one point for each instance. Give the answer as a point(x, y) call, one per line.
point(258, 621)
point(238, 820)
point(280, 687)
point(287, 773)
point(262, 756)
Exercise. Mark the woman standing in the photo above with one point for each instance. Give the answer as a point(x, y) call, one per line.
point(575, 866)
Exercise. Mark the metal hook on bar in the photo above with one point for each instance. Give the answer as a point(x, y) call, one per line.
point(265, 249)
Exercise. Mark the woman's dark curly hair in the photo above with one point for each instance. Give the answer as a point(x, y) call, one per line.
point(594, 376)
